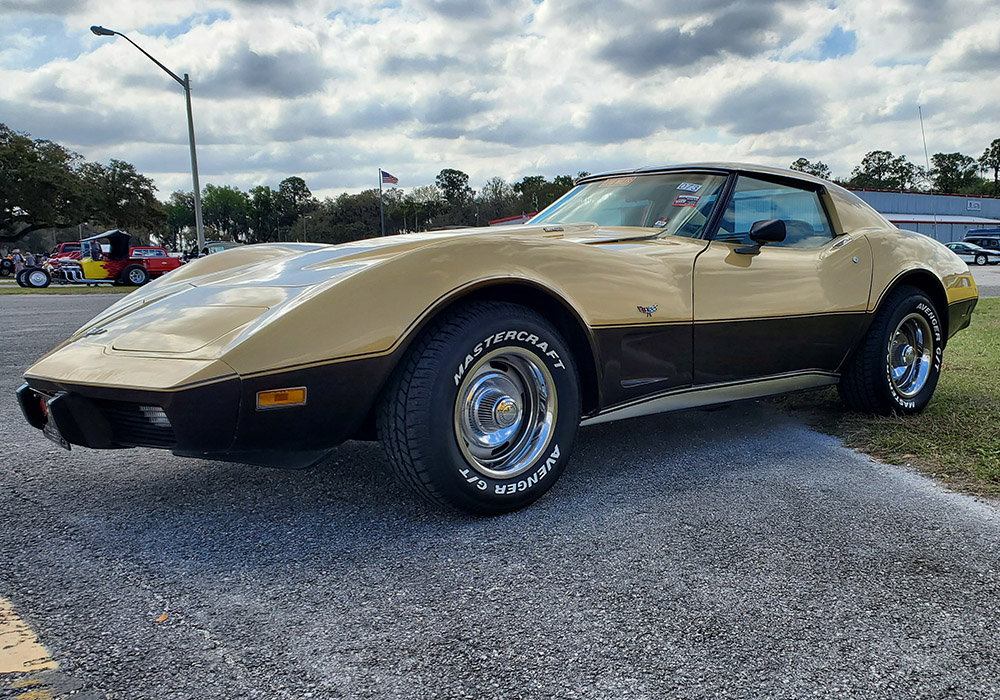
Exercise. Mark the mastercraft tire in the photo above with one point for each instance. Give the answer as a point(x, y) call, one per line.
point(482, 412)
point(896, 368)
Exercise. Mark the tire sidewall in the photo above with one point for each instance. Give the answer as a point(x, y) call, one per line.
point(914, 303)
point(30, 282)
point(141, 273)
point(981, 260)
point(461, 483)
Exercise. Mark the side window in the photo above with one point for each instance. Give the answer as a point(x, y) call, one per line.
point(806, 223)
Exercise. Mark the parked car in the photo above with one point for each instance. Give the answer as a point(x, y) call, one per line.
point(970, 252)
point(209, 248)
point(69, 249)
point(105, 258)
point(988, 238)
point(474, 354)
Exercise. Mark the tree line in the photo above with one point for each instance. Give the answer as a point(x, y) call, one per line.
point(44, 186)
point(950, 173)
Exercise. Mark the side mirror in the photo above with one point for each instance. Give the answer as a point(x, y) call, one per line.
point(767, 231)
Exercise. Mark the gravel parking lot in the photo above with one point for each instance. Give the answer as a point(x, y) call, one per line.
point(733, 553)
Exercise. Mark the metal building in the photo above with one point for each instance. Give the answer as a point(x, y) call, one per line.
point(946, 217)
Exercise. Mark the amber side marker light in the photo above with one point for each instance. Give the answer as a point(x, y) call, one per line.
point(280, 398)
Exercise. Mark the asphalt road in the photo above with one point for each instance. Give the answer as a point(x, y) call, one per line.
point(987, 279)
point(733, 553)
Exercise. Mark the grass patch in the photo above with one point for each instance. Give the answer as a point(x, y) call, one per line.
point(957, 437)
point(66, 289)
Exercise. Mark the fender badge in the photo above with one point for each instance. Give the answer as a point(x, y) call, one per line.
point(96, 331)
point(648, 310)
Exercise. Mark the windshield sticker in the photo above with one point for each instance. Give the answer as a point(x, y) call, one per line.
point(689, 186)
point(661, 223)
point(686, 200)
point(617, 182)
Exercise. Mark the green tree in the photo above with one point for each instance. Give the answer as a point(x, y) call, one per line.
point(264, 213)
point(819, 168)
point(424, 204)
point(990, 160)
point(225, 209)
point(535, 192)
point(122, 197)
point(454, 185)
point(955, 173)
point(495, 200)
point(40, 186)
point(881, 170)
point(179, 210)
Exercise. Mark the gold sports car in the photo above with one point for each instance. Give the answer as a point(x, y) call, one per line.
point(474, 354)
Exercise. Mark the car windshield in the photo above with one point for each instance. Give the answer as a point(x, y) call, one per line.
point(674, 204)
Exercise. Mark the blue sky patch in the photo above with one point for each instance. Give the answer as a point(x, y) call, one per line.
point(838, 43)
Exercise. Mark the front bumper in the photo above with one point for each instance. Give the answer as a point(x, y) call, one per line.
point(218, 420)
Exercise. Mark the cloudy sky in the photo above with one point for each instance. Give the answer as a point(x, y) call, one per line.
point(331, 91)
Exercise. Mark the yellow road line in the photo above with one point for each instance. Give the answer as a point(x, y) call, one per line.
point(20, 650)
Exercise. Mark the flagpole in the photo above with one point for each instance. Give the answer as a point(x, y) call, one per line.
point(381, 205)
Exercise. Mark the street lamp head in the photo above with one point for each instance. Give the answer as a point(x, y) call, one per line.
point(101, 31)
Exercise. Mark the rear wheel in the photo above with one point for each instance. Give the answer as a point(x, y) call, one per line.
point(6, 267)
point(134, 274)
point(19, 278)
point(896, 368)
point(981, 260)
point(482, 412)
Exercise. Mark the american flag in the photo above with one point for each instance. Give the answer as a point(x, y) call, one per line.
point(388, 179)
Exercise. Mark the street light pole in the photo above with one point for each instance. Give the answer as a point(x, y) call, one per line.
point(186, 84)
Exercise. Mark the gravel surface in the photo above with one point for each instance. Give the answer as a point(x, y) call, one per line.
point(732, 553)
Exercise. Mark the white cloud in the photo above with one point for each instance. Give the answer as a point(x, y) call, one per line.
point(332, 91)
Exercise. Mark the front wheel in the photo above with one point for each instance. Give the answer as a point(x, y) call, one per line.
point(37, 278)
point(482, 412)
point(981, 260)
point(896, 368)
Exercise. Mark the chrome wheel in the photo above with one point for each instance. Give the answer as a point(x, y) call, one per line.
point(137, 276)
point(911, 350)
point(505, 412)
point(37, 278)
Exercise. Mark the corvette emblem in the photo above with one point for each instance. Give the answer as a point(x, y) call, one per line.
point(648, 310)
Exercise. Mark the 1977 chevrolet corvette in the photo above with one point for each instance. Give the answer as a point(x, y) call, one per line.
point(474, 354)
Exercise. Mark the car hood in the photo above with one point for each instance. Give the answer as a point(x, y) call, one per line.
point(292, 265)
point(205, 309)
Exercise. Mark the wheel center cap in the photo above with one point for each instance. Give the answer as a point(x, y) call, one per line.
point(908, 354)
point(506, 412)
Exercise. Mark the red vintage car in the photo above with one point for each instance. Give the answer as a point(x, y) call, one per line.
point(105, 258)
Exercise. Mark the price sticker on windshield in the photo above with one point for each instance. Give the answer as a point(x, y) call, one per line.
point(686, 200)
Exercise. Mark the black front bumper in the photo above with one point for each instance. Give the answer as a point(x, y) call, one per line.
point(219, 420)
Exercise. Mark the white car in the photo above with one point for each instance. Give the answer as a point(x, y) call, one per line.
point(972, 253)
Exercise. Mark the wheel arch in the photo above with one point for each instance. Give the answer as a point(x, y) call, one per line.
point(553, 307)
point(927, 282)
